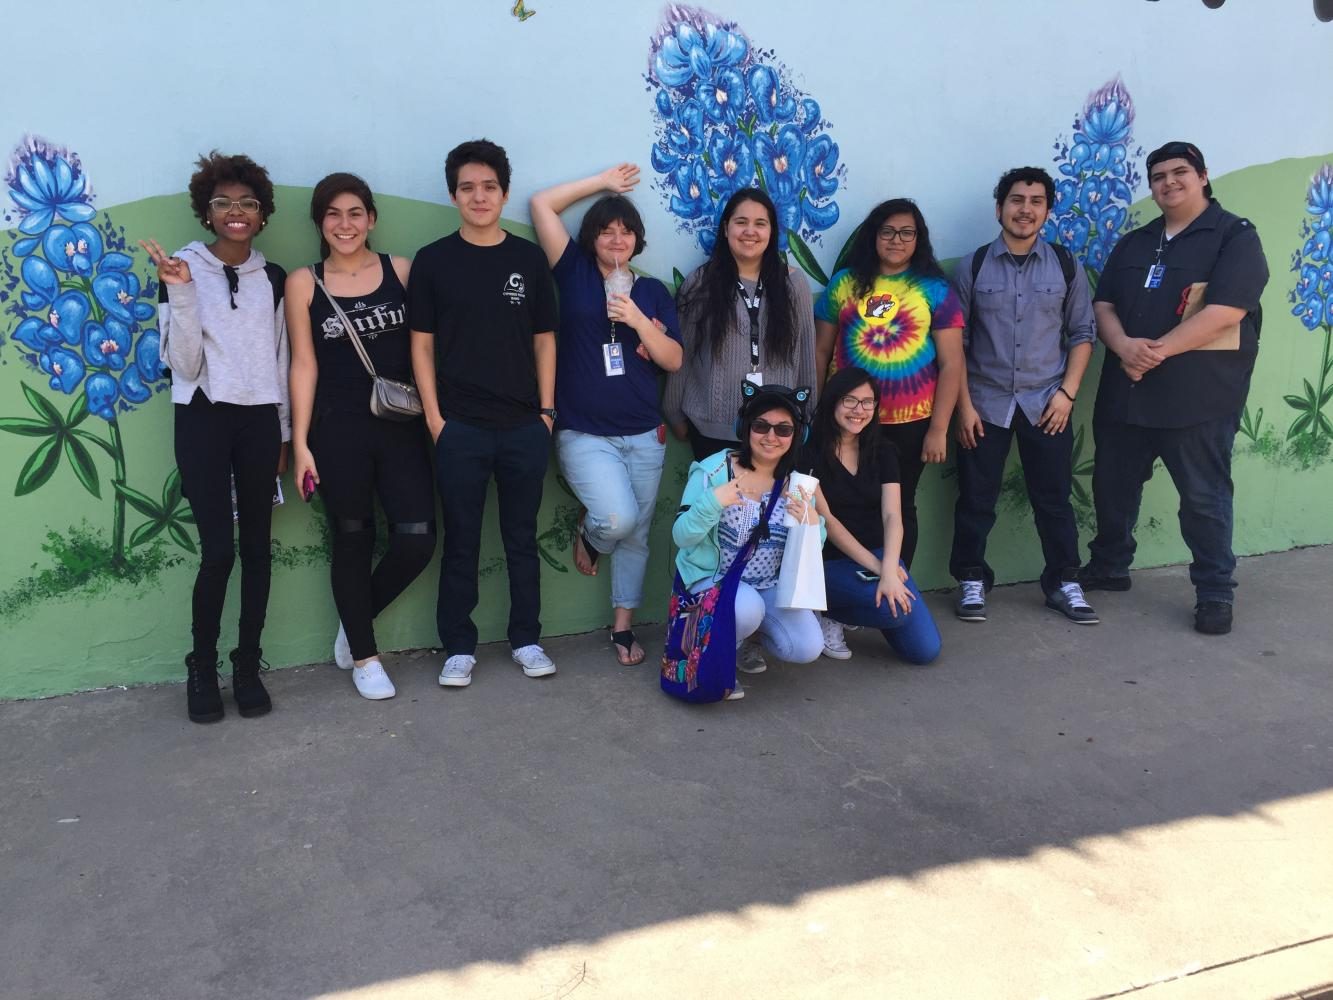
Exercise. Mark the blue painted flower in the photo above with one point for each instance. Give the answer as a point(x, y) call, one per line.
point(1073, 232)
point(45, 182)
point(107, 345)
point(780, 158)
point(132, 387)
point(65, 321)
point(1326, 278)
point(808, 115)
point(818, 217)
point(65, 368)
point(723, 97)
point(820, 169)
point(75, 249)
point(42, 281)
point(118, 293)
point(692, 199)
point(102, 391)
point(35, 335)
point(1320, 199)
point(1316, 247)
point(731, 162)
point(685, 134)
point(688, 52)
point(1109, 115)
point(1308, 282)
point(1096, 255)
point(148, 356)
point(770, 103)
point(1311, 312)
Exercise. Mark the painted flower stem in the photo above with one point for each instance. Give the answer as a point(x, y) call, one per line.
point(1316, 426)
point(118, 510)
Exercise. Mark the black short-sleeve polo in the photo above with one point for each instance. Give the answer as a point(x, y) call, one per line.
point(1218, 248)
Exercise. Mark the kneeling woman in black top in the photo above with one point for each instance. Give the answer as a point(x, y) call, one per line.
point(866, 581)
point(350, 454)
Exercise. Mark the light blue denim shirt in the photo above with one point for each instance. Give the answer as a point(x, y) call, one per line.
point(1020, 325)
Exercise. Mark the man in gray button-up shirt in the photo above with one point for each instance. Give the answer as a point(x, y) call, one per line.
point(1028, 339)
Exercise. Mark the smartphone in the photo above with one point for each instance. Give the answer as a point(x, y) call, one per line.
point(866, 575)
point(308, 486)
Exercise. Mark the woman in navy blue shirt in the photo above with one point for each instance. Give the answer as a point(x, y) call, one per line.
point(612, 348)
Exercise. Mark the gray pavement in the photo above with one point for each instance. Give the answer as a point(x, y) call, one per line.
point(1049, 811)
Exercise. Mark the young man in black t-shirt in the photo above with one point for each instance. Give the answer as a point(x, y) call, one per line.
point(483, 313)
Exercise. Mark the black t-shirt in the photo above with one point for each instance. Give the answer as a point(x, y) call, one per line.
point(380, 318)
point(1218, 248)
point(856, 501)
point(484, 304)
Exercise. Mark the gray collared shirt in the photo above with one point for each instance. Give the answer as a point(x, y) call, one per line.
point(1020, 327)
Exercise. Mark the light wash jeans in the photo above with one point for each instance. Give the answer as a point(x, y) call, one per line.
point(791, 634)
point(616, 479)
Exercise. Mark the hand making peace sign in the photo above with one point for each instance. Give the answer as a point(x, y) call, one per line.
point(171, 270)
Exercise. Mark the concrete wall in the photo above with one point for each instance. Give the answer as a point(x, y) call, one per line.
point(106, 112)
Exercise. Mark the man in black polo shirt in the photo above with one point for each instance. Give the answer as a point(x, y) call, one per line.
point(482, 309)
point(1177, 308)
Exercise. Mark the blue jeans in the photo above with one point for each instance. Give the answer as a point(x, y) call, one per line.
point(616, 479)
point(851, 600)
point(1198, 459)
point(790, 634)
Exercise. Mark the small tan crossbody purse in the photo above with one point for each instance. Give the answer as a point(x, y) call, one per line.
point(389, 398)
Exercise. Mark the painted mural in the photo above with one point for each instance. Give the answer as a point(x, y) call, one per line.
point(101, 543)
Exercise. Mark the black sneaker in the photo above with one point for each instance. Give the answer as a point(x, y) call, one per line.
point(971, 603)
point(251, 697)
point(1089, 579)
point(1212, 617)
point(1068, 600)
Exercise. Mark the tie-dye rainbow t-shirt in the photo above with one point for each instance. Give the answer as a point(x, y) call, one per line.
point(887, 332)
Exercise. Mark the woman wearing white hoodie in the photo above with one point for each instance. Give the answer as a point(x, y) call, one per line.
point(224, 339)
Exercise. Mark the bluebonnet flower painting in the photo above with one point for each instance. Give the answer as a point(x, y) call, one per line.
point(1312, 304)
point(82, 319)
point(1097, 175)
point(728, 116)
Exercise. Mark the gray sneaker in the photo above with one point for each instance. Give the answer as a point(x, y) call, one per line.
point(1069, 601)
point(457, 672)
point(534, 661)
point(971, 603)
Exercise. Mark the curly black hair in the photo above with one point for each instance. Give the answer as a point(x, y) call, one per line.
point(215, 169)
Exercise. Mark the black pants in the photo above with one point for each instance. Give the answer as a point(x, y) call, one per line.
point(466, 457)
point(1047, 472)
point(702, 446)
point(214, 443)
point(908, 440)
point(358, 457)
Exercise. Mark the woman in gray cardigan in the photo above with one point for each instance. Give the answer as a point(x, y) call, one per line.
point(743, 315)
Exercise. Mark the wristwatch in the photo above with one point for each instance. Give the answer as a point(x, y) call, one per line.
point(548, 411)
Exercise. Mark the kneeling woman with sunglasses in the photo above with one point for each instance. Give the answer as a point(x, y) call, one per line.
point(725, 499)
point(865, 579)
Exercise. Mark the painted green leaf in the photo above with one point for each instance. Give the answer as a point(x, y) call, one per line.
point(1327, 395)
point(78, 410)
point(1324, 424)
point(551, 560)
point(846, 251)
point(146, 506)
point(82, 464)
point(1297, 402)
point(25, 426)
point(805, 258)
point(171, 490)
point(91, 438)
point(1080, 494)
point(677, 279)
point(179, 536)
point(39, 467)
point(1310, 394)
point(146, 532)
point(185, 517)
point(1301, 425)
point(43, 407)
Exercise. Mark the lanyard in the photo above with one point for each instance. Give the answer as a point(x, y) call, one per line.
point(752, 310)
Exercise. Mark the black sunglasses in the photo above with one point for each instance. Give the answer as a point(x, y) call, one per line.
point(762, 427)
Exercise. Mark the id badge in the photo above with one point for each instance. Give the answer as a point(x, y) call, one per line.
point(614, 357)
point(1155, 275)
point(756, 377)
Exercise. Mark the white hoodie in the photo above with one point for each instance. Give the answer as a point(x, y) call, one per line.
point(235, 355)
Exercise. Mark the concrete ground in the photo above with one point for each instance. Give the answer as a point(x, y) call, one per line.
point(1049, 811)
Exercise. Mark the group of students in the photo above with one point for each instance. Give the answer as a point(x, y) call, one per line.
point(262, 366)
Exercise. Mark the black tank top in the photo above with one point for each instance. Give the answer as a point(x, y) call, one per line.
point(380, 318)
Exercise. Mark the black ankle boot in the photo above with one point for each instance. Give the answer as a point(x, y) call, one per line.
point(246, 687)
point(203, 699)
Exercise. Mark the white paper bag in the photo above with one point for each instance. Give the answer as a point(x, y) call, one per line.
point(801, 579)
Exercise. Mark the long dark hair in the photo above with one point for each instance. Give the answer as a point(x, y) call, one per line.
point(826, 429)
point(322, 197)
point(863, 258)
point(712, 299)
point(745, 454)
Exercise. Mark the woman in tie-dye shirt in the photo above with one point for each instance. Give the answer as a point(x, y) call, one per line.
point(892, 312)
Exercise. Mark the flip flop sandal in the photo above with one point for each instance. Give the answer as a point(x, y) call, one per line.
point(625, 640)
point(580, 536)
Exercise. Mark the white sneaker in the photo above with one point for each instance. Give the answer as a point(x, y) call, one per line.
point(736, 693)
point(457, 672)
point(534, 661)
point(372, 682)
point(751, 660)
point(342, 650)
point(835, 645)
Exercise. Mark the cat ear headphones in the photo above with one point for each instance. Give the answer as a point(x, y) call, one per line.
point(757, 398)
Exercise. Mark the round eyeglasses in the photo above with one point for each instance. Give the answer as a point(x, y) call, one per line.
point(250, 206)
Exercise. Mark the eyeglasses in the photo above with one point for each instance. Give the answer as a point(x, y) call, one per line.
point(250, 206)
point(888, 234)
point(762, 427)
point(852, 403)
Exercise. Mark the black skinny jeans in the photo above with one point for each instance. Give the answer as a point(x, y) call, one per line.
point(358, 457)
point(908, 440)
point(214, 442)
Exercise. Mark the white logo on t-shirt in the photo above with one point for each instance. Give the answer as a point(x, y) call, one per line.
point(515, 290)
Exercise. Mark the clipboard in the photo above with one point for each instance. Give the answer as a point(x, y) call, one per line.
point(1228, 339)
